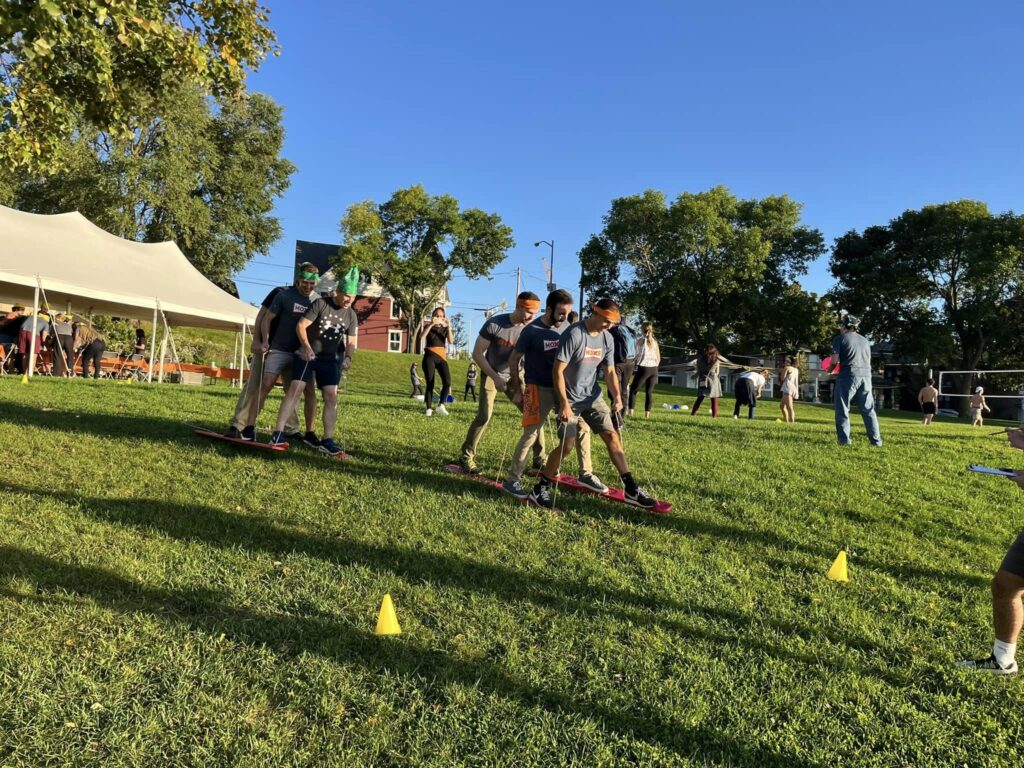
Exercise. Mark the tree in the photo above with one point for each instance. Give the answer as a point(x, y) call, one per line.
point(399, 243)
point(788, 321)
point(202, 176)
point(108, 62)
point(940, 283)
point(458, 324)
point(700, 266)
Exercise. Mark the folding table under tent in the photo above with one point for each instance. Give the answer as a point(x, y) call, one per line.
point(78, 265)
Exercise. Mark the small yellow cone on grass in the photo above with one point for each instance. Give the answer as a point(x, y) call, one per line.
point(24, 378)
point(838, 570)
point(387, 621)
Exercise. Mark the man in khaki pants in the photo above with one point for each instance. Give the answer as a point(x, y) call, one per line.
point(491, 353)
point(537, 347)
point(251, 387)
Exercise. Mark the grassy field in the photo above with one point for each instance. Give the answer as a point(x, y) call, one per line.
point(170, 601)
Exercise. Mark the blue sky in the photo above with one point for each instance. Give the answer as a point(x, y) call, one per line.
point(545, 112)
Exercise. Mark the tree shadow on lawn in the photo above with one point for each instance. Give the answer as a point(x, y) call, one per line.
point(217, 528)
point(324, 636)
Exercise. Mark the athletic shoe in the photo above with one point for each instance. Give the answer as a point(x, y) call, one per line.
point(989, 665)
point(516, 489)
point(640, 499)
point(441, 411)
point(541, 496)
point(735, 417)
point(469, 467)
point(428, 412)
point(591, 481)
point(328, 446)
point(296, 436)
point(249, 433)
point(310, 439)
point(278, 438)
point(539, 462)
point(234, 433)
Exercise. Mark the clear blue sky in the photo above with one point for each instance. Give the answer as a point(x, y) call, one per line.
point(545, 112)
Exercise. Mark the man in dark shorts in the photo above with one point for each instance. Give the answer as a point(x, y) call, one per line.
point(928, 398)
point(537, 348)
point(1007, 590)
point(584, 348)
point(278, 349)
point(491, 353)
point(327, 336)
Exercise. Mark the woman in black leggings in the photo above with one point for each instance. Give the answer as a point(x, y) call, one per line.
point(646, 376)
point(435, 337)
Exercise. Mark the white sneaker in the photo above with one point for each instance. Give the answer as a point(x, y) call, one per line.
point(442, 411)
point(428, 412)
point(735, 417)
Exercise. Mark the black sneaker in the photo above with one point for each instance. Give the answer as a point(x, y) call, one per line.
point(541, 496)
point(989, 665)
point(234, 433)
point(469, 467)
point(295, 436)
point(539, 462)
point(640, 499)
point(591, 481)
point(310, 439)
point(278, 438)
point(328, 446)
point(249, 433)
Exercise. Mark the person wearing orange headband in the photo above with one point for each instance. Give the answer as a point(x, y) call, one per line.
point(491, 353)
point(584, 349)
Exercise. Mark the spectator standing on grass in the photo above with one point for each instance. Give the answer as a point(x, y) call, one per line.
point(928, 399)
point(852, 353)
point(414, 377)
point(491, 353)
point(646, 376)
point(789, 388)
point(39, 327)
point(63, 346)
point(435, 337)
point(625, 357)
point(1007, 589)
point(978, 406)
point(471, 375)
point(708, 383)
point(92, 344)
point(749, 386)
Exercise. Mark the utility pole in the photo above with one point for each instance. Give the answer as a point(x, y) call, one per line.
point(517, 283)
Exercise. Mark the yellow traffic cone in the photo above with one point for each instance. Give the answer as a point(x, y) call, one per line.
point(387, 621)
point(24, 378)
point(838, 570)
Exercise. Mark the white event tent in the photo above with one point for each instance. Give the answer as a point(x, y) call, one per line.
point(78, 266)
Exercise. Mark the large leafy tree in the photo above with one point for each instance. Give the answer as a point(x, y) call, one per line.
point(108, 62)
point(941, 282)
point(402, 242)
point(700, 266)
point(203, 175)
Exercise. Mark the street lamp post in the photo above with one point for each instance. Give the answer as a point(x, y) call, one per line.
point(551, 283)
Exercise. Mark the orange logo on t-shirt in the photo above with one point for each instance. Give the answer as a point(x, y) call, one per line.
point(593, 352)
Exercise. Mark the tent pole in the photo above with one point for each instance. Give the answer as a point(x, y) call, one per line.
point(152, 344)
point(234, 359)
point(163, 355)
point(35, 324)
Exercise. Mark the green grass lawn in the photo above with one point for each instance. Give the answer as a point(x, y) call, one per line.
point(165, 600)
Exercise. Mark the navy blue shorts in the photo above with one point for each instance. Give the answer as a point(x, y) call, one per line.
point(327, 370)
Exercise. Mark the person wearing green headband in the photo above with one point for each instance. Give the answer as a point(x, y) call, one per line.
point(327, 335)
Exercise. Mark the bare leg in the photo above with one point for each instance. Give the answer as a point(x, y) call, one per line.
point(1007, 611)
point(615, 452)
point(330, 395)
point(552, 468)
point(309, 405)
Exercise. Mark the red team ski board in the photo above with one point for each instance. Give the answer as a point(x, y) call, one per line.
point(247, 443)
point(455, 469)
point(612, 494)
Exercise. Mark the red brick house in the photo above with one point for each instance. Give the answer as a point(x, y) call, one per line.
point(382, 327)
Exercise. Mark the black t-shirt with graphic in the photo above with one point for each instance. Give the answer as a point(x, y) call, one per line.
point(330, 326)
point(288, 307)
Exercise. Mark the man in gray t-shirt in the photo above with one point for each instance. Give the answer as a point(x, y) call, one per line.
point(853, 353)
point(491, 353)
point(584, 349)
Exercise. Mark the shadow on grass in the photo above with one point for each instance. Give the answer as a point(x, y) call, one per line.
point(326, 637)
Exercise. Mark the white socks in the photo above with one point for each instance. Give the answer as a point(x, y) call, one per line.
point(1005, 653)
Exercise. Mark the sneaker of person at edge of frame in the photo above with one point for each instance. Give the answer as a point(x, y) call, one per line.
point(278, 438)
point(249, 433)
point(989, 665)
point(541, 496)
point(640, 499)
